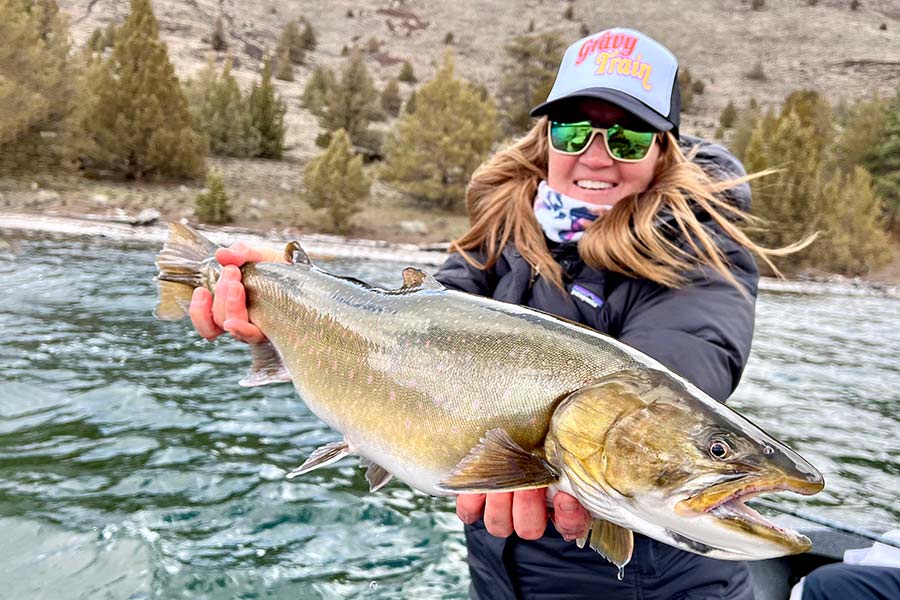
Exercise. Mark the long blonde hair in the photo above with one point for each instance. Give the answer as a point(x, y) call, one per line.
point(627, 239)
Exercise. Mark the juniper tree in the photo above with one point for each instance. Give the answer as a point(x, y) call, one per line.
point(788, 200)
point(267, 114)
point(813, 111)
point(109, 36)
point(406, 73)
point(138, 123)
point(391, 101)
point(38, 87)
point(221, 113)
point(728, 116)
point(410, 107)
point(284, 67)
point(212, 205)
point(806, 195)
point(308, 37)
point(292, 43)
point(860, 134)
point(461, 127)
point(316, 90)
point(853, 237)
point(531, 63)
point(352, 103)
point(884, 163)
point(334, 182)
point(218, 41)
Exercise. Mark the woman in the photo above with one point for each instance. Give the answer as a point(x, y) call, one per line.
point(597, 216)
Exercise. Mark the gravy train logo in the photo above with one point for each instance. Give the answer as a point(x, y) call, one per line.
point(614, 57)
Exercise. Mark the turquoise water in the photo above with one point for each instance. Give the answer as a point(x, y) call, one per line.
point(132, 464)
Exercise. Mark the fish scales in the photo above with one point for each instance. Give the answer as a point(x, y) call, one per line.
point(455, 393)
point(414, 379)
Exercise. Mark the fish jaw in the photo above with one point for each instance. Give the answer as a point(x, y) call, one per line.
point(725, 504)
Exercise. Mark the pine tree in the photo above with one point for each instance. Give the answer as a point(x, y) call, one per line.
point(435, 168)
point(219, 41)
point(285, 68)
point(813, 111)
point(334, 181)
point(406, 73)
point(411, 103)
point(316, 90)
point(860, 134)
point(352, 103)
point(884, 164)
point(267, 114)
point(853, 237)
point(530, 70)
point(789, 200)
point(38, 87)
point(95, 42)
point(138, 123)
point(211, 205)
point(221, 112)
point(391, 101)
point(728, 116)
point(308, 38)
point(292, 43)
point(109, 36)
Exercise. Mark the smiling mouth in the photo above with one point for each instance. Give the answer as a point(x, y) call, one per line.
point(588, 184)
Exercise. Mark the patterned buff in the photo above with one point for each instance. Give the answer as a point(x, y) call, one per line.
point(562, 217)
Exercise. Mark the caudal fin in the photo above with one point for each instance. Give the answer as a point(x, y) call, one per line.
point(180, 270)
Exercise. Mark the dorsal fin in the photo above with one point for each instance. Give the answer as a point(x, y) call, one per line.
point(417, 279)
point(295, 254)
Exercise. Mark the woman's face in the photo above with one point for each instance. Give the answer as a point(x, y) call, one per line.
point(579, 176)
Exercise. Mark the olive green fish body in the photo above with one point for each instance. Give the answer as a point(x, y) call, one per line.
point(413, 378)
point(455, 393)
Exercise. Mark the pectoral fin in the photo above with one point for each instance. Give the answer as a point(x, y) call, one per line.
point(611, 541)
point(267, 366)
point(376, 475)
point(498, 464)
point(322, 456)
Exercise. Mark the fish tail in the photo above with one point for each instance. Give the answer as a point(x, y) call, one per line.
point(181, 264)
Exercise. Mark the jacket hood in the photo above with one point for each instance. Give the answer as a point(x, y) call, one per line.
point(719, 164)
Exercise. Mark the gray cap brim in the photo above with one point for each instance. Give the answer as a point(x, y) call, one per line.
point(620, 99)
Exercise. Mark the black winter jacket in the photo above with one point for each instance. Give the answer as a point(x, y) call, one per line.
point(701, 331)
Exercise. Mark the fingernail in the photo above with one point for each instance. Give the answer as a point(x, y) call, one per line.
point(568, 507)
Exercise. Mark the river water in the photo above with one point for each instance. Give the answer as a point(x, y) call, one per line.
point(133, 466)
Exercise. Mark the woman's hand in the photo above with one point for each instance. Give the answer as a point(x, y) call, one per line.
point(226, 310)
point(524, 512)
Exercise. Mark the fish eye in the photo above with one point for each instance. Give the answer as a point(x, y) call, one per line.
point(719, 449)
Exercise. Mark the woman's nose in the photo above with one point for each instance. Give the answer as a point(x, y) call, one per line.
point(596, 156)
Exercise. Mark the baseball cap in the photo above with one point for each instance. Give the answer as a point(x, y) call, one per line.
point(623, 67)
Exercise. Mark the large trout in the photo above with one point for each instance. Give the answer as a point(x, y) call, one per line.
point(454, 393)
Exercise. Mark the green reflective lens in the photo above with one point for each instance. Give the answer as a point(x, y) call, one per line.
point(570, 137)
point(622, 144)
point(628, 145)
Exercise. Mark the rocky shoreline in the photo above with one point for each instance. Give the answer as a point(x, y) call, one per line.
point(333, 246)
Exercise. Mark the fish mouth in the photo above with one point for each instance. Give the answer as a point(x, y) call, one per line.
point(726, 503)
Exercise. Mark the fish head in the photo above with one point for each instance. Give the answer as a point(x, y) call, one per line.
point(657, 455)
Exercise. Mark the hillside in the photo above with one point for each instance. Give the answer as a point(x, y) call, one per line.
point(823, 45)
point(839, 52)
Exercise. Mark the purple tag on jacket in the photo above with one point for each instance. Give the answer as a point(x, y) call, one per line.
point(586, 296)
